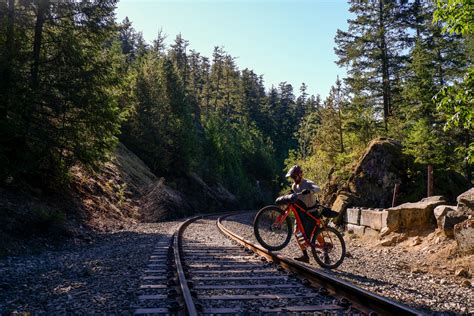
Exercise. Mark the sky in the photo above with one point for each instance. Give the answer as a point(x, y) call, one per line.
point(283, 40)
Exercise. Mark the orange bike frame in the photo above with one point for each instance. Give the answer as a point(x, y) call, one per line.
point(292, 209)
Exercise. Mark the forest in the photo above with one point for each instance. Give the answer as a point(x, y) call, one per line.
point(74, 82)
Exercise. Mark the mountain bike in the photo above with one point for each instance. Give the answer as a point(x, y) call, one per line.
point(273, 229)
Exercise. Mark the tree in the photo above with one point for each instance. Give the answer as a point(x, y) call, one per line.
point(456, 100)
point(251, 105)
point(372, 49)
point(132, 42)
point(65, 109)
point(162, 129)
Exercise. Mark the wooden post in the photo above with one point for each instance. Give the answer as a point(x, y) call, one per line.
point(430, 180)
point(396, 189)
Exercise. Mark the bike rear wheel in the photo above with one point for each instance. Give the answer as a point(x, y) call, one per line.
point(270, 232)
point(328, 247)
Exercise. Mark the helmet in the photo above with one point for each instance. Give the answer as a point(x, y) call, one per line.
point(293, 171)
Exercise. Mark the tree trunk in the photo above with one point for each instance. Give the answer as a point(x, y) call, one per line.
point(418, 20)
point(340, 131)
point(467, 163)
point(396, 191)
point(217, 91)
point(440, 67)
point(385, 67)
point(7, 67)
point(40, 18)
point(430, 180)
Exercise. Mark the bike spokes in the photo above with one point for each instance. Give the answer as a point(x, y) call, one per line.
point(328, 247)
point(272, 229)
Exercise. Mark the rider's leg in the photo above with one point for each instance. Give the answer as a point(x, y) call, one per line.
point(304, 257)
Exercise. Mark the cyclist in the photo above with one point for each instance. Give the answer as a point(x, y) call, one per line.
point(299, 185)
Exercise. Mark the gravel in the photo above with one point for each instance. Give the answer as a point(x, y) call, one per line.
point(392, 272)
point(204, 234)
point(101, 276)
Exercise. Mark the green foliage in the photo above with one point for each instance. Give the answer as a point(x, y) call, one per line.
point(59, 104)
point(373, 51)
point(397, 60)
point(423, 142)
point(457, 100)
point(457, 14)
point(40, 221)
point(240, 157)
point(161, 130)
point(72, 79)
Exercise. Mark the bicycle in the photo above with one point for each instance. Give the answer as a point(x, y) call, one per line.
point(273, 229)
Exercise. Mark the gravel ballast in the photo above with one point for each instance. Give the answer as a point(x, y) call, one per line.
point(392, 272)
point(101, 276)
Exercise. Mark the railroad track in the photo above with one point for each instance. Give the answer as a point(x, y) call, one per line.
point(217, 276)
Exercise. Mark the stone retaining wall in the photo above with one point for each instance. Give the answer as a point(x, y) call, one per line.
point(409, 216)
point(363, 221)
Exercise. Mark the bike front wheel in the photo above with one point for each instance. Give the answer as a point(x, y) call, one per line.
point(270, 230)
point(328, 247)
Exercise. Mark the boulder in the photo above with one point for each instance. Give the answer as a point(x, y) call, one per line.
point(464, 235)
point(384, 232)
point(413, 215)
point(441, 211)
point(372, 179)
point(393, 239)
point(447, 222)
point(343, 200)
point(377, 172)
point(466, 202)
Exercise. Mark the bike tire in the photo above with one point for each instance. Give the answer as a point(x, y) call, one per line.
point(270, 237)
point(334, 245)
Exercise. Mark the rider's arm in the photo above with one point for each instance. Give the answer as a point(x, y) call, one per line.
point(312, 187)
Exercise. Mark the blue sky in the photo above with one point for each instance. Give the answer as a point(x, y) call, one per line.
point(283, 40)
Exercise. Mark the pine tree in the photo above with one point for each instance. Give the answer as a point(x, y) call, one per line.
point(372, 49)
point(162, 131)
point(66, 110)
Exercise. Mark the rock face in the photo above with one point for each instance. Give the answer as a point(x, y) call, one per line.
point(377, 172)
point(446, 217)
point(466, 202)
point(441, 211)
point(370, 183)
point(413, 215)
point(464, 235)
point(205, 197)
point(452, 218)
point(162, 202)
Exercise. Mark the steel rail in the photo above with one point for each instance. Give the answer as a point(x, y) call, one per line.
point(177, 243)
point(359, 297)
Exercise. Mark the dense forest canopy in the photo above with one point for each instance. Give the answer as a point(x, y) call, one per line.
point(74, 81)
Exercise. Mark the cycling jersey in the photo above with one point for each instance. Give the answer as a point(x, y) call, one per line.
point(308, 199)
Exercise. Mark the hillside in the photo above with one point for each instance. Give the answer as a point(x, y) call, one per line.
point(121, 193)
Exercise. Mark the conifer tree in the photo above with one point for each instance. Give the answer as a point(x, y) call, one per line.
point(68, 110)
point(372, 49)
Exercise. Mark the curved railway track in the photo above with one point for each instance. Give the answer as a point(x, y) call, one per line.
point(232, 276)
